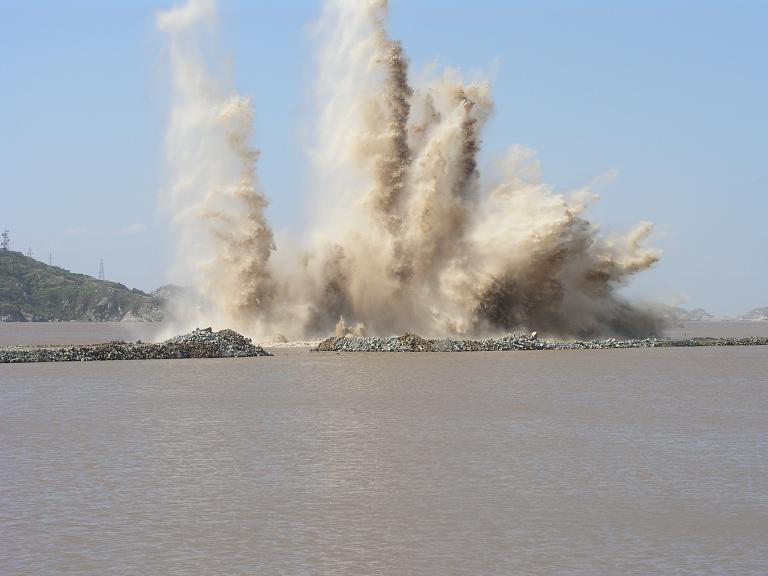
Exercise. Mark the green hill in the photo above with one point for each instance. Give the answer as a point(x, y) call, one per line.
point(31, 291)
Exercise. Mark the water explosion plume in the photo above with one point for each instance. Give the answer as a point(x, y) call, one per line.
point(215, 195)
point(406, 236)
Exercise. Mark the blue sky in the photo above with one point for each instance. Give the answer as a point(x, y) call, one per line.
point(671, 95)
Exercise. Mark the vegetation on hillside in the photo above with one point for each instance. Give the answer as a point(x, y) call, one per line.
point(33, 291)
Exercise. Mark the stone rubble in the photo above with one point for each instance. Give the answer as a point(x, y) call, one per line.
point(200, 343)
point(413, 343)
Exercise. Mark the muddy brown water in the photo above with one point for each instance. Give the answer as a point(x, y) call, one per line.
point(649, 461)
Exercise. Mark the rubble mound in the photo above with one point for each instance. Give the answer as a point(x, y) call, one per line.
point(412, 343)
point(200, 343)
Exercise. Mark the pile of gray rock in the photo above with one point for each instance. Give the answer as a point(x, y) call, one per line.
point(413, 343)
point(201, 343)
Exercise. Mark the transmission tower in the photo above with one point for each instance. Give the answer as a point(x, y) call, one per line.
point(6, 244)
point(101, 269)
point(29, 252)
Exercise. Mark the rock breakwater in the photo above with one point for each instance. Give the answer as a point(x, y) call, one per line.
point(200, 343)
point(413, 343)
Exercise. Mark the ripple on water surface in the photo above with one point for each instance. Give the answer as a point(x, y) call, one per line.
point(576, 462)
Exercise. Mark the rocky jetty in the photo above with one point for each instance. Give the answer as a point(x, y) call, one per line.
point(201, 343)
point(413, 343)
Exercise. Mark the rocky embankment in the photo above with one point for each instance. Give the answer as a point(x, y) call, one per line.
point(201, 343)
point(414, 343)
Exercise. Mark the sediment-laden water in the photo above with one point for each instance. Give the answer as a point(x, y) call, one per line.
point(643, 461)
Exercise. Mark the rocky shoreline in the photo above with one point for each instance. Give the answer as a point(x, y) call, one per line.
point(413, 343)
point(201, 343)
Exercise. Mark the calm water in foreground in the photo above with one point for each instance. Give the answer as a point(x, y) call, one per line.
point(574, 462)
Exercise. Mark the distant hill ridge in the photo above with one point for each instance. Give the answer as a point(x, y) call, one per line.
point(31, 291)
point(757, 314)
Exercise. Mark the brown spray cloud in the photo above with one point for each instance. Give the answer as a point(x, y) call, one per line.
point(406, 234)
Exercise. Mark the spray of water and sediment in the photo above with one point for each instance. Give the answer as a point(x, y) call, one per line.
point(224, 240)
point(405, 234)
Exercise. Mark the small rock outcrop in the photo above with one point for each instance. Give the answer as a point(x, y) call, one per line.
point(201, 343)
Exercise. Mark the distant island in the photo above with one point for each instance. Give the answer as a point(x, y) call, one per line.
point(756, 314)
point(31, 291)
point(676, 314)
